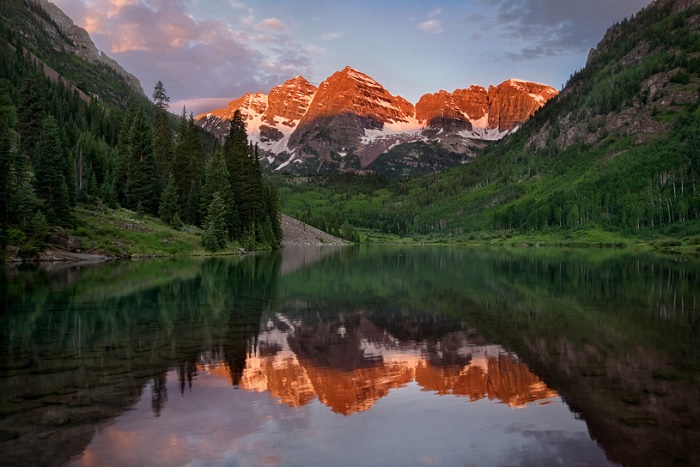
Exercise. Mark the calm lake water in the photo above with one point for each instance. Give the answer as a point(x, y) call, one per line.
point(355, 356)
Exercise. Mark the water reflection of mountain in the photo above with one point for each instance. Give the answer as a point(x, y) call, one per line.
point(349, 363)
point(615, 334)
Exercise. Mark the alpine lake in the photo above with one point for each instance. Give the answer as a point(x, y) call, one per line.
point(370, 355)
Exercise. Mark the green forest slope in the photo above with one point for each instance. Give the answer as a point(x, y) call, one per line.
point(75, 138)
point(618, 151)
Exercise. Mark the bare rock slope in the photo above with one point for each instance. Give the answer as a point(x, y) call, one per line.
point(297, 233)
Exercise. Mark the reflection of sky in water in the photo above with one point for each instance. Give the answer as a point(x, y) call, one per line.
point(216, 424)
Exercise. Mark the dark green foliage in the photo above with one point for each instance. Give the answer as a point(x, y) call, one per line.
point(243, 163)
point(50, 167)
point(30, 112)
point(215, 233)
point(6, 156)
point(218, 181)
point(162, 134)
point(93, 152)
point(160, 97)
point(169, 210)
point(274, 213)
point(46, 40)
point(142, 183)
point(188, 164)
point(236, 148)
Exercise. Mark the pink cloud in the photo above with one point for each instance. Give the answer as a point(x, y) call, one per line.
point(159, 40)
point(271, 23)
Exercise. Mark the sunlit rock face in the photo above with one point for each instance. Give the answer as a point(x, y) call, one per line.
point(351, 119)
point(349, 91)
point(513, 102)
point(349, 368)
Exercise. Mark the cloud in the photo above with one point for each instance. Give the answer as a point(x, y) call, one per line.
point(435, 12)
point(201, 105)
point(548, 28)
point(159, 40)
point(432, 26)
point(331, 36)
point(271, 23)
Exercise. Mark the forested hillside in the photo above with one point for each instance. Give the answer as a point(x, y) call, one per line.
point(617, 150)
point(61, 146)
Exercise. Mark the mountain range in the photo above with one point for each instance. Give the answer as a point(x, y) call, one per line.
point(350, 120)
point(616, 149)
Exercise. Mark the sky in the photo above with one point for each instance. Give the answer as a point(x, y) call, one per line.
point(208, 52)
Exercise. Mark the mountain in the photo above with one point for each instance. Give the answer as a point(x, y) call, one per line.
point(617, 150)
point(67, 52)
point(350, 120)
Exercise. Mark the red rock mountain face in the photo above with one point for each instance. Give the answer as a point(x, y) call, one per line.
point(350, 114)
point(501, 108)
point(290, 101)
point(352, 92)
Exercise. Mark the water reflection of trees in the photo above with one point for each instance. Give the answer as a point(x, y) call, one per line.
point(84, 347)
point(615, 332)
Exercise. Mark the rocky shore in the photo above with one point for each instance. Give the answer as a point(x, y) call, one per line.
point(297, 233)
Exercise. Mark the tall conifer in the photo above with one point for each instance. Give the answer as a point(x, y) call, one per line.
point(50, 168)
point(30, 111)
point(162, 134)
point(142, 185)
point(169, 210)
point(218, 181)
point(188, 163)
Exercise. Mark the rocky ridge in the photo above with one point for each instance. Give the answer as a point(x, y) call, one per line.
point(80, 43)
point(351, 119)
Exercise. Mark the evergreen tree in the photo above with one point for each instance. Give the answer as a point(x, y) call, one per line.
point(193, 212)
point(215, 233)
point(217, 181)
point(188, 163)
point(50, 169)
point(169, 210)
point(30, 111)
point(162, 134)
point(6, 156)
point(160, 97)
point(121, 166)
point(236, 148)
point(274, 213)
point(142, 184)
point(246, 177)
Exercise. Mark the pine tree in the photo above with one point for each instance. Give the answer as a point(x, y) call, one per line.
point(50, 168)
point(188, 163)
point(215, 233)
point(30, 111)
point(193, 213)
point(217, 181)
point(162, 134)
point(246, 177)
point(169, 210)
point(274, 213)
point(6, 156)
point(121, 166)
point(160, 97)
point(142, 184)
point(236, 148)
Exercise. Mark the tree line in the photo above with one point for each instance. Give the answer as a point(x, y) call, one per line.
point(59, 149)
